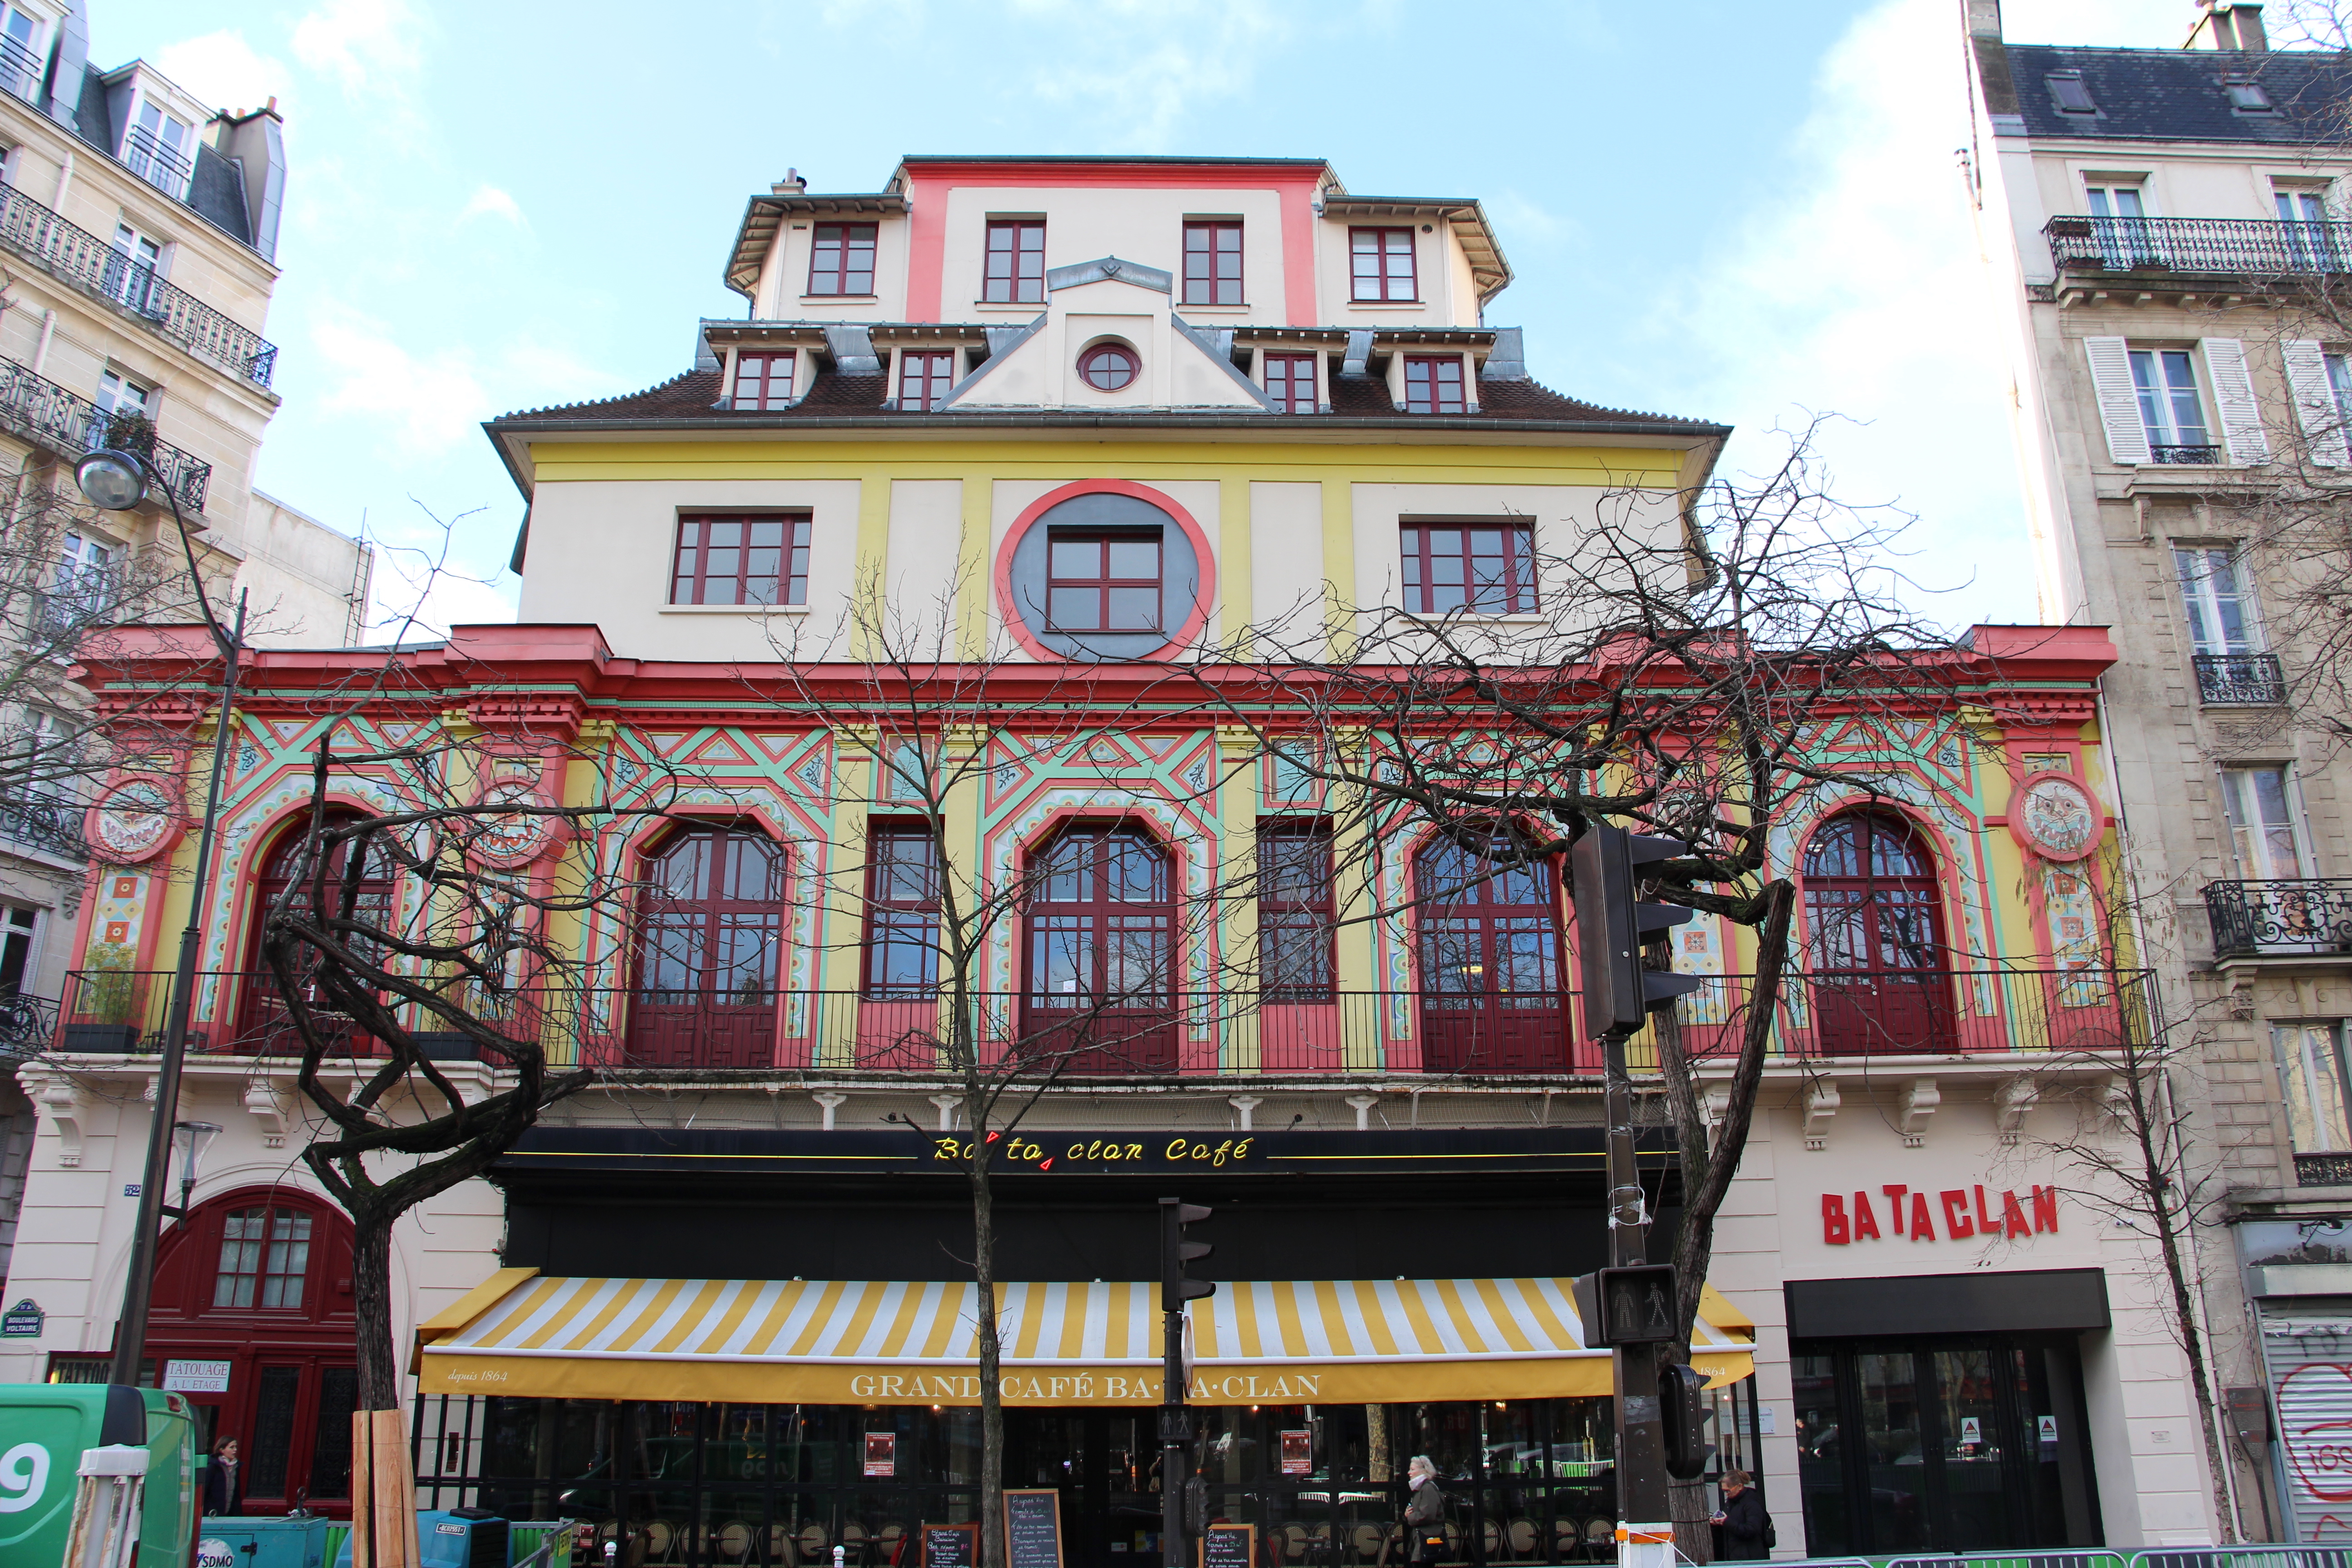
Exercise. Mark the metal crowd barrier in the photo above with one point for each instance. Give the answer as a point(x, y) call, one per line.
point(2265, 1556)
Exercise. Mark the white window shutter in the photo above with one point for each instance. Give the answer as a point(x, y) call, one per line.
point(2316, 412)
point(2233, 401)
point(2119, 404)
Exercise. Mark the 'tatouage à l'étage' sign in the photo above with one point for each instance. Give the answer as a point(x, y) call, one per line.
point(1966, 1213)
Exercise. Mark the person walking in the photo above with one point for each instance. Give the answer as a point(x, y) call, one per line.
point(1745, 1523)
point(224, 1488)
point(1425, 1511)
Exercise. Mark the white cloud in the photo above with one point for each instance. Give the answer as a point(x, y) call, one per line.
point(489, 201)
point(226, 72)
point(422, 405)
point(416, 595)
point(368, 46)
point(1146, 64)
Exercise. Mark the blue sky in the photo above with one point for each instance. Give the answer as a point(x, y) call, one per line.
point(1719, 208)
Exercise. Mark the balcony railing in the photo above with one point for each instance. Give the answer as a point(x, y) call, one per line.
point(2239, 679)
point(2280, 919)
point(158, 166)
point(82, 257)
point(20, 70)
point(53, 826)
point(2189, 455)
point(2257, 247)
point(26, 1024)
point(2323, 1170)
point(73, 427)
point(1908, 1013)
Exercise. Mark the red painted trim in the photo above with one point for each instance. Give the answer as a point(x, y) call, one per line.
point(1202, 556)
point(1299, 282)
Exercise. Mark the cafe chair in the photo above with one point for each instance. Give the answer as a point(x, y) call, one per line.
point(1600, 1539)
point(1369, 1541)
point(1519, 1539)
point(661, 1542)
point(855, 1544)
point(733, 1540)
point(889, 1541)
point(814, 1545)
point(782, 1552)
point(1293, 1542)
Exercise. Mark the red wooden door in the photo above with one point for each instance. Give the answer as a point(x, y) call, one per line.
point(1490, 965)
point(259, 1282)
point(1881, 977)
point(1101, 929)
point(707, 958)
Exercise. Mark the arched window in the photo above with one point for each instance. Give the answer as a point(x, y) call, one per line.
point(1875, 929)
point(1101, 929)
point(1490, 963)
point(262, 1026)
point(710, 932)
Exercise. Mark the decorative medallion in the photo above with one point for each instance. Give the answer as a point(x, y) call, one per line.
point(508, 842)
point(136, 818)
point(2054, 816)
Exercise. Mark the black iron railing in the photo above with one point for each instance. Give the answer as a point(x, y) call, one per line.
point(20, 70)
point(46, 824)
point(2187, 455)
point(73, 427)
point(2323, 1170)
point(157, 164)
point(27, 1024)
point(2251, 919)
point(82, 257)
point(2243, 679)
point(2232, 247)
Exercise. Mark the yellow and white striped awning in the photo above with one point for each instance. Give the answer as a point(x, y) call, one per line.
point(837, 1342)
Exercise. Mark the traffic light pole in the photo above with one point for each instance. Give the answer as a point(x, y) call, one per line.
point(1175, 1444)
point(1645, 1530)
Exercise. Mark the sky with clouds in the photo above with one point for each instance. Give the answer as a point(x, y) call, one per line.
point(1744, 212)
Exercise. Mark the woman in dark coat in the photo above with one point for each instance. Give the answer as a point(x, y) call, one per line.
point(223, 1486)
point(1742, 1518)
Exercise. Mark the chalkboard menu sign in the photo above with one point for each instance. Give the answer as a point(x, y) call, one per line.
point(1229, 1546)
point(1033, 1529)
point(950, 1545)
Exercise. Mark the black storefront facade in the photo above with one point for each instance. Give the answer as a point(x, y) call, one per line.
point(623, 1245)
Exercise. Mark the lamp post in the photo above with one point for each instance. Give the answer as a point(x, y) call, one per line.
point(117, 481)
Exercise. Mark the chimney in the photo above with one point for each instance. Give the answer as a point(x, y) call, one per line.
point(1984, 19)
point(792, 185)
point(2233, 27)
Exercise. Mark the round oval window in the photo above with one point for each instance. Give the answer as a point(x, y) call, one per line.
point(1107, 367)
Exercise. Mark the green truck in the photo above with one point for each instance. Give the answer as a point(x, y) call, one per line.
point(44, 1429)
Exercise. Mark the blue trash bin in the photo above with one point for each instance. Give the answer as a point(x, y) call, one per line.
point(236, 1541)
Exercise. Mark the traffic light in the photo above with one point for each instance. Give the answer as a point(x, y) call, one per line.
point(1176, 1287)
point(1682, 1406)
point(1632, 1306)
point(1611, 928)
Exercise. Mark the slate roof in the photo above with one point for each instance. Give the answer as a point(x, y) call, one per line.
point(2176, 94)
point(691, 396)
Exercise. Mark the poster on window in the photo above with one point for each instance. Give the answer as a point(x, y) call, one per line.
point(882, 1454)
point(1299, 1453)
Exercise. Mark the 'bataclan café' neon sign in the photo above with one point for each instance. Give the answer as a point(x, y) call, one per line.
point(1842, 1226)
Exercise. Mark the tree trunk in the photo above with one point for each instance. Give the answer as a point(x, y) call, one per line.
point(1686, 1505)
point(2148, 1131)
point(991, 1390)
point(378, 1362)
point(383, 1478)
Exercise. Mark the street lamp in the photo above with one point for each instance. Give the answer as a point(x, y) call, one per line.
point(190, 1138)
point(117, 481)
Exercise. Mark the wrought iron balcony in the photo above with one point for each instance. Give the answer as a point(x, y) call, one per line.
point(45, 823)
point(157, 164)
point(2238, 247)
point(20, 70)
point(81, 257)
point(2192, 455)
point(2280, 920)
point(2239, 679)
point(71, 425)
point(2323, 1170)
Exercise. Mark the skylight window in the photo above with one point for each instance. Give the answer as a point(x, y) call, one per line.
point(2247, 96)
point(2072, 93)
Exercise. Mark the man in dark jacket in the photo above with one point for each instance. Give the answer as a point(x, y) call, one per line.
point(223, 1486)
point(1743, 1518)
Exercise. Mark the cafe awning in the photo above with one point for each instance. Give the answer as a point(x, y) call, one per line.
point(837, 1342)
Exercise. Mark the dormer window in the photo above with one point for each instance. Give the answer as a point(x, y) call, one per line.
point(1108, 367)
point(1380, 262)
point(1433, 383)
point(763, 382)
point(924, 377)
point(161, 151)
point(2071, 93)
point(841, 259)
point(1290, 383)
point(1016, 262)
point(20, 55)
point(2248, 97)
point(1212, 263)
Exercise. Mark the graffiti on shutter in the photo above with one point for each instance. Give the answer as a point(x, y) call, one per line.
point(2310, 1365)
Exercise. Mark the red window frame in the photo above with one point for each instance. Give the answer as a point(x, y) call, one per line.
point(763, 381)
point(1014, 271)
point(1481, 568)
point(1129, 366)
point(1298, 911)
point(1290, 381)
point(1433, 383)
point(1213, 262)
point(902, 912)
point(841, 258)
point(1066, 590)
point(924, 377)
point(271, 1237)
point(1381, 266)
point(731, 559)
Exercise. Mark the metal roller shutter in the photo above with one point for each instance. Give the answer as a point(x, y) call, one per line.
point(2309, 1360)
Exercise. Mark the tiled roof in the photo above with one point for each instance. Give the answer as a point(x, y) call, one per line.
point(2176, 94)
point(694, 395)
